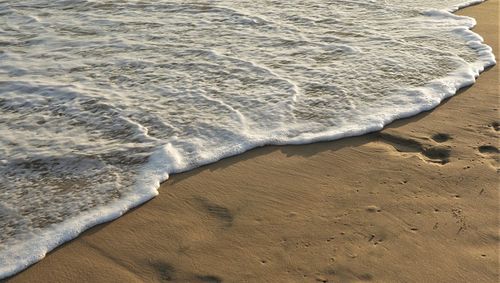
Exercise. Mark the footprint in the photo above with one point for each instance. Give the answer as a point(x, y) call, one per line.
point(320, 278)
point(217, 211)
point(401, 144)
point(435, 154)
point(495, 125)
point(492, 153)
point(488, 149)
point(441, 137)
point(165, 270)
point(209, 278)
point(373, 208)
point(441, 154)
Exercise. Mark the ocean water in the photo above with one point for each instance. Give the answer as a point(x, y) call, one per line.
point(101, 100)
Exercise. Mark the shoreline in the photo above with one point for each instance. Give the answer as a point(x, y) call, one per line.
point(416, 145)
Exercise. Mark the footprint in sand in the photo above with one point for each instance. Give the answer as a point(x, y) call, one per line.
point(438, 154)
point(166, 272)
point(441, 137)
point(490, 152)
point(219, 212)
point(373, 208)
point(495, 125)
point(488, 149)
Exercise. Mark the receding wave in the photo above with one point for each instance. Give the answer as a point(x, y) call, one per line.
point(101, 100)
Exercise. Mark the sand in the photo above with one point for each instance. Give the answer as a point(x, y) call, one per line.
point(416, 202)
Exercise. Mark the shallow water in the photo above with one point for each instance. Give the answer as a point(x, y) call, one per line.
point(101, 100)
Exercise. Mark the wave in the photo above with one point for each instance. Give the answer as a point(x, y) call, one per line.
point(101, 100)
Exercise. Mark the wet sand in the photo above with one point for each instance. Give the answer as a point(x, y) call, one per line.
point(416, 202)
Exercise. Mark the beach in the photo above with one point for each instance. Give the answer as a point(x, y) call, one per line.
point(415, 202)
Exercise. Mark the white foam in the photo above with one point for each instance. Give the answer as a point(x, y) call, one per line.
point(99, 106)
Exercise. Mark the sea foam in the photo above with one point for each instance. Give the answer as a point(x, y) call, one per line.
point(101, 100)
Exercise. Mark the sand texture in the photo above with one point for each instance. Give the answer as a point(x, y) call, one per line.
point(416, 202)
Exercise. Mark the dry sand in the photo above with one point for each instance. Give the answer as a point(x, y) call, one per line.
point(417, 202)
